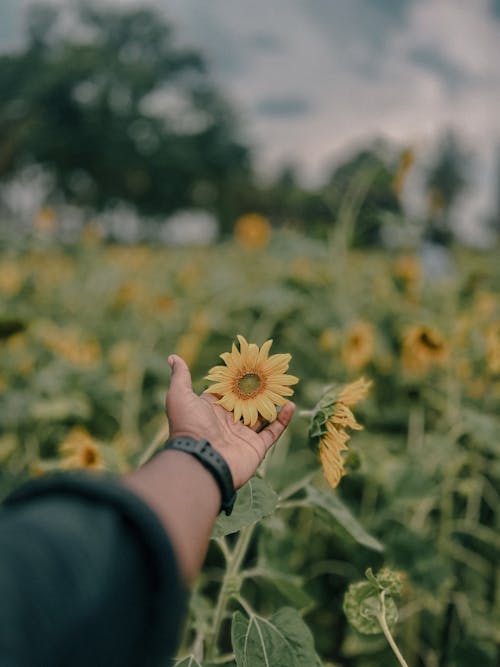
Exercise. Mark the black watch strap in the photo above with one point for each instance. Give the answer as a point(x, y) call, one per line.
point(212, 461)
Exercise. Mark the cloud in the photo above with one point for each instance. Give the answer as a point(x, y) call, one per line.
point(314, 78)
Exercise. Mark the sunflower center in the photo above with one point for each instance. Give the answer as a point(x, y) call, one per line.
point(427, 340)
point(249, 384)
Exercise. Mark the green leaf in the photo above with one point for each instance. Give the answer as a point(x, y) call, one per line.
point(342, 514)
point(188, 661)
point(283, 640)
point(255, 500)
point(289, 585)
point(293, 592)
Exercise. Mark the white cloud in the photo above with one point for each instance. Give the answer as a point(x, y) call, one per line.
point(361, 72)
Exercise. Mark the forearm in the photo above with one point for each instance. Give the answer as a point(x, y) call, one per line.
point(186, 498)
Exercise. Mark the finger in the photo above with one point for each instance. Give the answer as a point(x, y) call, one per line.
point(180, 383)
point(271, 433)
point(259, 425)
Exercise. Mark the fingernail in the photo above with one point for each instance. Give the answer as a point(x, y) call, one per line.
point(171, 361)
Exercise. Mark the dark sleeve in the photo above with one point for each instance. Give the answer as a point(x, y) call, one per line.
point(88, 577)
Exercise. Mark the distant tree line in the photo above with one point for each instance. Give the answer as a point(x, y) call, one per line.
point(116, 111)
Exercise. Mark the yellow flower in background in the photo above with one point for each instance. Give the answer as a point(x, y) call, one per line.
point(69, 344)
point(334, 437)
point(252, 383)
point(408, 270)
point(163, 303)
point(46, 220)
point(189, 345)
point(80, 450)
point(493, 348)
point(358, 346)
point(189, 275)
point(92, 233)
point(485, 304)
point(128, 292)
point(11, 278)
point(423, 348)
point(327, 340)
point(406, 161)
point(253, 231)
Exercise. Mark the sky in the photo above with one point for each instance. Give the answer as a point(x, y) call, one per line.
point(314, 79)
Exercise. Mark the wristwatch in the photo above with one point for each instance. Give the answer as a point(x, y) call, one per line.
point(212, 461)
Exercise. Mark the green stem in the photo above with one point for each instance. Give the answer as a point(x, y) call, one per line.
point(385, 629)
point(296, 486)
point(234, 562)
point(245, 605)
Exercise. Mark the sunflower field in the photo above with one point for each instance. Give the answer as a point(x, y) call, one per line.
point(370, 535)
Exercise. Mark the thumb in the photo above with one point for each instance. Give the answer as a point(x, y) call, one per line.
point(181, 377)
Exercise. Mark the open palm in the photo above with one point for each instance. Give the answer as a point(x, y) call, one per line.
point(199, 417)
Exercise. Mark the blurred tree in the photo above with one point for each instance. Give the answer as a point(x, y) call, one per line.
point(114, 110)
point(494, 222)
point(363, 189)
point(446, 179)
point(286, 201)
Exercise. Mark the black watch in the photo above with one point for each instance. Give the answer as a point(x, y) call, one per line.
point(212, 461)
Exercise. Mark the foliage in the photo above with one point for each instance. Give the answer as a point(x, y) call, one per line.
point(115, 110)
point(446, 180)
point(85, 335)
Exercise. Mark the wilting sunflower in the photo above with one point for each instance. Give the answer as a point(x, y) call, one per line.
point(252, 383)
point(423, 348)
point(331, 417)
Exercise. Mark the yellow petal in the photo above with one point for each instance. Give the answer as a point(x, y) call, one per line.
point(264, 351)
point(227, 358)
point(277, 362)
point(210, 390)
point(222, 371)
point(253, 353)
point(236, 356)
point(283, 379)
point(237, 411)
point(279, 389)
point(277, 399)
point(243, 346)
point(220, 388)
point(245, 413)
point(227, 402)
point(266, 408)
point(254, 416)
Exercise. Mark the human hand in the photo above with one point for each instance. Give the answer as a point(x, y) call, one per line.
point(198, 417)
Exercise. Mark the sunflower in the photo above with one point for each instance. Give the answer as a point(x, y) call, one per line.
point(493, 348)
point(252, 383)
point(358, 347)
point(423, 348)
point(253, 231)
point(331, 418)
point(80, 450)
